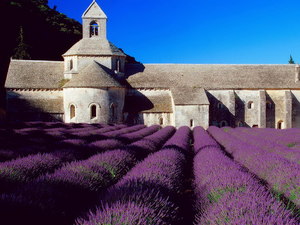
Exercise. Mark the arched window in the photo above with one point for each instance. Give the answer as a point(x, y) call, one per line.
point(118, 65)
point(93, 111)
point(113, 111)
point(191, 123)
point(280, 124)
point(72, 111)
point(220, 105)
point(250, 105)
point(240, 124)
point(71, 64)
point(94, 29)
point(161, 121)
point(223, 123)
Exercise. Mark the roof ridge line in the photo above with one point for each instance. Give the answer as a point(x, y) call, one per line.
point(25, 60)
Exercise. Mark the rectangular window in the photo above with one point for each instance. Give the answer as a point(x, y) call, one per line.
point(191, 123)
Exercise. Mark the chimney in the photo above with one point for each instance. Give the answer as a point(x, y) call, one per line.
point(297, 73)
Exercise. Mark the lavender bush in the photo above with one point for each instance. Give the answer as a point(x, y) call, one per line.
point(116, 133)
point(23, 170)
point(180, 140)
point(281, 175)
point(54, 198)
point(93, 134)
point(137, 135)
point(103, 145)
point(227, 194)
point(203, 140)
point(151, 143)
point(247, 136)
point(146, 195)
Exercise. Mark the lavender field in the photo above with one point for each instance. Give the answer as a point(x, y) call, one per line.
point(92, 174)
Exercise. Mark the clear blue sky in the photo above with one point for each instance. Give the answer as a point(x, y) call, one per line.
point(198, 31)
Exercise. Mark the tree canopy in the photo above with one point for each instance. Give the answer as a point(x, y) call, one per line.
point(291, 60)
point(30, 29)
point(46, 33)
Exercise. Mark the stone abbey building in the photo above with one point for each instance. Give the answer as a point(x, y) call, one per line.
point(94, 85)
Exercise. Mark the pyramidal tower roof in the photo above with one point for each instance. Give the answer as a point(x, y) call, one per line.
point(94, 11)
point(95, 76)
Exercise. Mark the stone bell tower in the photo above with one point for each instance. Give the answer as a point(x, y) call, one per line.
point(94, 22)
point(93, 46)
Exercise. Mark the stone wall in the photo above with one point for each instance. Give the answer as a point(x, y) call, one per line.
point(29, 105)
point(104, 100)
point(296, 108)
point(163, 119)
point(84, 61)
point(68, 71)
point(282, 104)
point(222, 107)
point(192, 115)
point(101, 31)
point(248, 107)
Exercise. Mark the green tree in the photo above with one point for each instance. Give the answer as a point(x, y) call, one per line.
point(291, 60)
point(21, 51)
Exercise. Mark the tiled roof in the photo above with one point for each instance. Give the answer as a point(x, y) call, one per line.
point(94, 46)
point(189, 96)
point(95, 75)
point(35, 74)
point(212, 76)
point(154, 103)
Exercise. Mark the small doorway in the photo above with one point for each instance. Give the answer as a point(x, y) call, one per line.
point(280, 124)
point(223, 123)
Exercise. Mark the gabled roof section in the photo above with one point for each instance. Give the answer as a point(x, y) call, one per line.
point(210, 76)
point(94, 76)
point(94, 11)
point(160, 102)
point(94, 47)
point(25, 74)
point(189, 96)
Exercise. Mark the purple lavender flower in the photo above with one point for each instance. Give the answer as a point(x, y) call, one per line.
point(203, 140)
point(137, 135)
point(116, 133)
point(281, 174)
point(180, 140)
point(23, 170)
point(227, 194)
point(58, 198)
point(268, 144)
point(103, 145)
point(151, 143)
point(146, 193)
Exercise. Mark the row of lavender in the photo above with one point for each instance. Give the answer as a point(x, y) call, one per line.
point(287, 137)
point(25, 141)
point(25, 169)
point(151, 192)
point(226, 193)
point(269, 143)
point(280, 174)
point(118, 188)
point(59, 196)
